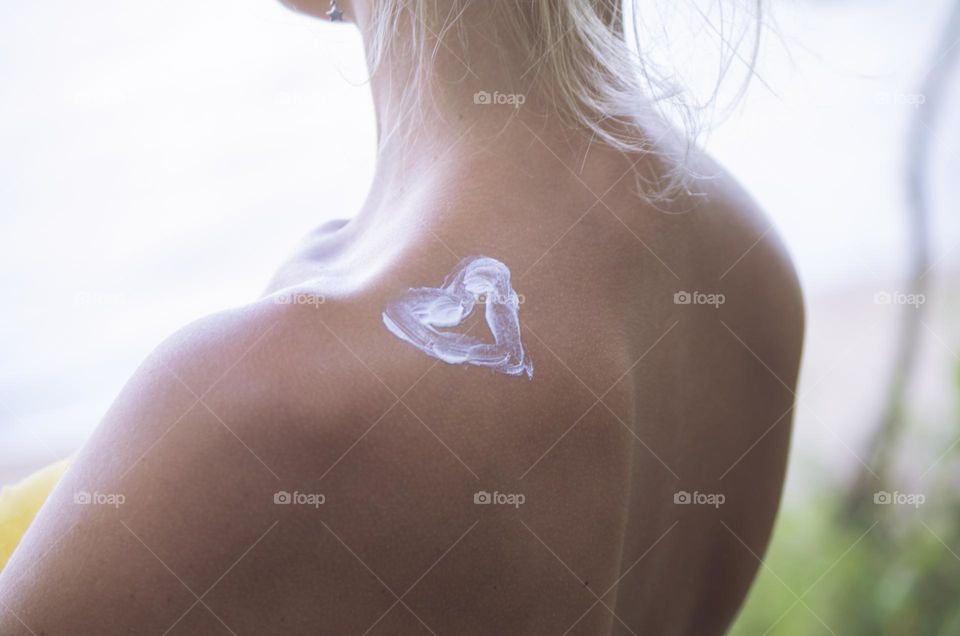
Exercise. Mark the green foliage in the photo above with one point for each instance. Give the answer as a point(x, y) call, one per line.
point(890, 576)
point(892, 570)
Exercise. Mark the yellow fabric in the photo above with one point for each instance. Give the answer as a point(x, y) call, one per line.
point(20, 503)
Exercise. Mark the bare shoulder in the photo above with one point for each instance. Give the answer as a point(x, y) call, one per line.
point(766, 310)
point(744, 307)
point(746, 244)
point(183, 482)
point(720, 298)
point(719, 242)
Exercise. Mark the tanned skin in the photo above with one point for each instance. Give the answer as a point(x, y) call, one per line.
point(634, 398)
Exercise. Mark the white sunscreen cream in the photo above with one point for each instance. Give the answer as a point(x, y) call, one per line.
point(419, 315)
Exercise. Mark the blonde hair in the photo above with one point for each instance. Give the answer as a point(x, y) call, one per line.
point(582, 61)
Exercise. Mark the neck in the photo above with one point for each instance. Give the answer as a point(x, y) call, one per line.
point(470, 96)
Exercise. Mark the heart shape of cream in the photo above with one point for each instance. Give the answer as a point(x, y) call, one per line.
point(418, 316)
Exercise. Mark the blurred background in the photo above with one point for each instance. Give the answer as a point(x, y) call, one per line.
point(158, 160)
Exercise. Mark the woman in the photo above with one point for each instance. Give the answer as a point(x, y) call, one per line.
point(541, 383)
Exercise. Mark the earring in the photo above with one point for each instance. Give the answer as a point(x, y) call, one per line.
point(336, 15)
